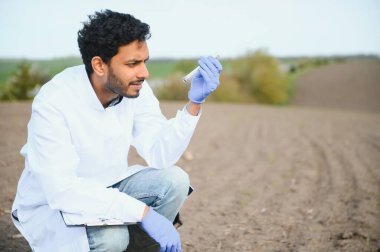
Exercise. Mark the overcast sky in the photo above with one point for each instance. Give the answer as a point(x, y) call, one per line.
point(191, 28)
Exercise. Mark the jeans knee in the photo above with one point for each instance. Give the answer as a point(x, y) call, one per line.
point(180, 181)
point(109, 238)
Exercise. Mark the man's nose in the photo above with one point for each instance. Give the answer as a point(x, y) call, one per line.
point(143, 72)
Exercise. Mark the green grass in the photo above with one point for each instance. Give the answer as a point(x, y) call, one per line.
point(51, 67)
point(157, 68)
point(160, 68)
point(7, 68)
point(55, 66)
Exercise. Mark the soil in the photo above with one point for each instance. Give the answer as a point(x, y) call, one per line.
point(354, 86)
point(304, 177)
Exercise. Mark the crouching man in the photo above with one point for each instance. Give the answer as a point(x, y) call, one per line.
point(82, 125)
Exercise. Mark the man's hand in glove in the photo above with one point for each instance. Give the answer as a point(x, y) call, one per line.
point(162, 231)
point(206, 80)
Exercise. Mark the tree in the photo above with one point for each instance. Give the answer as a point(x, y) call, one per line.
point(260, 76)
point(24, 83)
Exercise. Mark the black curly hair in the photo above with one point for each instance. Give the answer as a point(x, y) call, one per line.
point(105, 32)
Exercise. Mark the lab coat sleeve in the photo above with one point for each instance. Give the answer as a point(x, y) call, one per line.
point(53, 159)
point(159, 141)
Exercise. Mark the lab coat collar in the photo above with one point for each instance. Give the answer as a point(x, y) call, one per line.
point(88, 91)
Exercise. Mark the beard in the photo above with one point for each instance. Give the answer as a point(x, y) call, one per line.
point(115, 85)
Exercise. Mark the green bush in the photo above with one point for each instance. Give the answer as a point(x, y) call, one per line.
point(185, 66)
point(229, 90)
point(259, 74)
point(24, 83)
point(172, 89)
point(254, 78)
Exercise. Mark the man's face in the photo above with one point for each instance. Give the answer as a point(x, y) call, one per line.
point(127, 70)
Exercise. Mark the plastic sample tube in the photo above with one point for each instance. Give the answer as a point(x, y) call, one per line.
point(190, 75)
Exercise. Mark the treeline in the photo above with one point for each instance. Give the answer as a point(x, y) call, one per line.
point(257, 77)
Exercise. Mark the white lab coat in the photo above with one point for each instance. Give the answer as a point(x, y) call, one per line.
point(76, 149)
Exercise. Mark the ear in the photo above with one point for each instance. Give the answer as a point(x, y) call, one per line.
point(100, 68)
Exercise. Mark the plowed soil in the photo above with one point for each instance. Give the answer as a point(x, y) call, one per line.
point(297, 178)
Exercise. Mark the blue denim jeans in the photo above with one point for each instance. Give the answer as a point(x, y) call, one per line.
point(165, 190)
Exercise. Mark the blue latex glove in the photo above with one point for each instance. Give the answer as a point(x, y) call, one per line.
point(206, 80)
point(162, 231)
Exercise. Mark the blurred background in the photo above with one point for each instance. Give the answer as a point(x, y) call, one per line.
point(265, 46)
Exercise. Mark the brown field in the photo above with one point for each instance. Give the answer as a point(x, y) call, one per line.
point(298, 178)
point(353, 86)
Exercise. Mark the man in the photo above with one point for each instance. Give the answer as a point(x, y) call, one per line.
point(82, 124)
